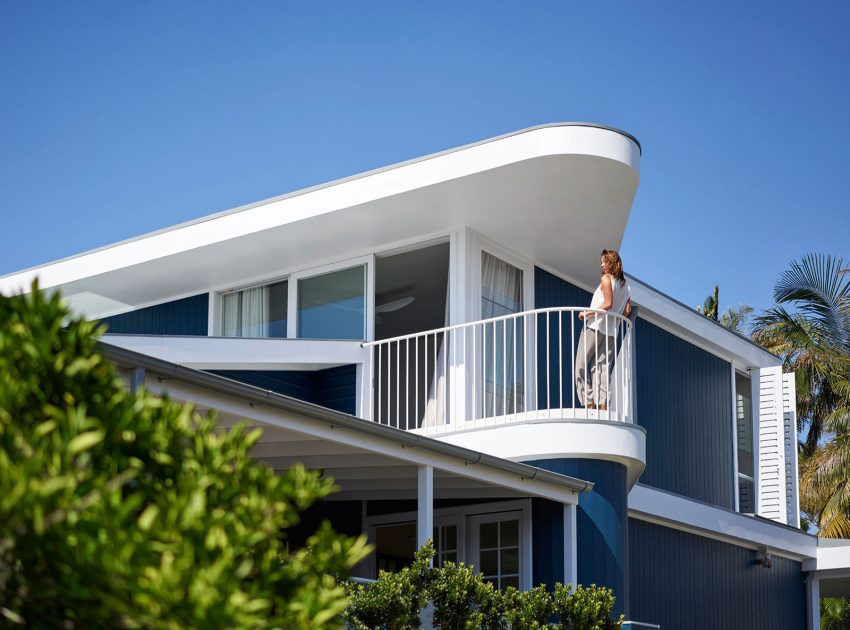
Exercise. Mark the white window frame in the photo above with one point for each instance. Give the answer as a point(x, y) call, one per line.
point(474, 546)
point(367, 261)
point(463, 516)
point(476, 245)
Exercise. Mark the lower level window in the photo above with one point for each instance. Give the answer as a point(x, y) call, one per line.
point(499, 550)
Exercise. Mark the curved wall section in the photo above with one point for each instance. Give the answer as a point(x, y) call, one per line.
point(602, 523)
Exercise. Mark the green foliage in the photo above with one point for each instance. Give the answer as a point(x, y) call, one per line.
point(809, 327)
point(394, 601)
point(125, 510)
point(834, 613)
point(735, 318)
point(527, 610)
point(462, 600)
point(711, 307)
point(585, 608)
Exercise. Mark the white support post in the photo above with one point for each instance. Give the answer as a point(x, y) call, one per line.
point(570, 545)
point(363, 384)
point(813, 603)
point(425, 505)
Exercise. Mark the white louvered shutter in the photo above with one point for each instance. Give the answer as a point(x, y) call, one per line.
point(772, 495)
point(792, 477)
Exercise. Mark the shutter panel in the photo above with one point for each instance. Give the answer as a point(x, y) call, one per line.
point(789, 415)
point(772, 496)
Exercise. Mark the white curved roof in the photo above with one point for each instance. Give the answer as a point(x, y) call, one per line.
point(556, 193)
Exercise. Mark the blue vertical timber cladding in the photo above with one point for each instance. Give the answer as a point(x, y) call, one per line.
point(681, 580)
point(684, 401)
point(188, 316)
point(334, 388)
point(551, 291)
point(601, 522)
point(547, 542)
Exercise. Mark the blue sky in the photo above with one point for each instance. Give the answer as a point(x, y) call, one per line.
point(118, 118)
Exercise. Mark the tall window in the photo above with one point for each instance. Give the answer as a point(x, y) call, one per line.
point(445, 543)
point(256, 311)
point(333, 305)
point(499, 550)
point(502, 347)
point(744, 426)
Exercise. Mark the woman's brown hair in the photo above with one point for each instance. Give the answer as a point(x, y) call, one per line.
point(613, 263)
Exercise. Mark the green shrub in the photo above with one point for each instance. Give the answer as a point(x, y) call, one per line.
point(125, 510)
point(585, 608)
point(394, 601)
point(462, 600)
point(527, 610)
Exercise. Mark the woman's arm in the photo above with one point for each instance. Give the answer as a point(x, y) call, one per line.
point(607, 299)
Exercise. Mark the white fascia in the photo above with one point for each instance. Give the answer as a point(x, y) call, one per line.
point(833, 556)
point(677, 512)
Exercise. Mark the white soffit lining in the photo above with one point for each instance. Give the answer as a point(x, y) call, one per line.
point(552, 192)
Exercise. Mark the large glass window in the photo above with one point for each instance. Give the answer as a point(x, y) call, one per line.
point(744, 426)
point(256, 311)
point(445, 544)
point(333, 305)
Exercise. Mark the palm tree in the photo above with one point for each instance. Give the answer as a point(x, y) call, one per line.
point(711, 307)
point(814, 341)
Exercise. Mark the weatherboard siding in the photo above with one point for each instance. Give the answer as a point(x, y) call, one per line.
point(681, 580)
point(684, 401)
point(334, 388)
point(187, 316)
point(601, 525)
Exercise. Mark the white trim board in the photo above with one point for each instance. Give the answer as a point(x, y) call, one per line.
point(677, 512)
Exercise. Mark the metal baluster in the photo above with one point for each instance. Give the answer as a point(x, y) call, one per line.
point(548, 382)
point(379, 348)
point(473, 383)
point(560, 359)
point(573, 355)
point(416, 384)
point(513, 361)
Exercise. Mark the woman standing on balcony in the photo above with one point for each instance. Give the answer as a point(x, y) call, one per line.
point(598, 342)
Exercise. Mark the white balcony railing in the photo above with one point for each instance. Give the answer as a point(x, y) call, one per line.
point(522, 367)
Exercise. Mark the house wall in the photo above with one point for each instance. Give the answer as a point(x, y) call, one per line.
point(187, 316)
point(602, 528)
point(335, 388)
point(684, 400)
point(680, 580)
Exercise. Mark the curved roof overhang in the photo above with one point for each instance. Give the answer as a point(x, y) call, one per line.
point(556, 194)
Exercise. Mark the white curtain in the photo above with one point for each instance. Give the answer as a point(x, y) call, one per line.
point(501, 294)
point(230, 315)
point(435, 409)
point(246, 313)
point(255, 309)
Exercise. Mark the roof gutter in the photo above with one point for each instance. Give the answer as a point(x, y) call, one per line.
point(252, 394)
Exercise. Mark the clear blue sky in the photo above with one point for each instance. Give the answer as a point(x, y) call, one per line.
point(118, 118)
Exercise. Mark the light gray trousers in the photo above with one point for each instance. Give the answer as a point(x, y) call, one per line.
point(597, 351)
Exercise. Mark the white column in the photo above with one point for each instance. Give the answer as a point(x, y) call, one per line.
point(425, 505)
point(363, 387)
point(570, 545)
point(813, 603)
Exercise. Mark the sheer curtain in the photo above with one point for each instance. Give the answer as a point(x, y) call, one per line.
point(436, 407)
point(255, 309)
point(230, 315)
point(501, 294)
point(246, 313)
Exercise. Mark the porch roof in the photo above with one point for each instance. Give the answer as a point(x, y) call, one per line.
point(367, 460)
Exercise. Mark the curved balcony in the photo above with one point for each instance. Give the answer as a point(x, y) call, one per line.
point(522, 367)
point(524, 386)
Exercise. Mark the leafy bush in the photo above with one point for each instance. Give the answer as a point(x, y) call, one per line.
point(125, 510)
point(585, 608)
point(395, 600)
point(462, 600)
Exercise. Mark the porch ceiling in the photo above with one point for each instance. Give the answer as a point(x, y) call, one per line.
point(362, 473)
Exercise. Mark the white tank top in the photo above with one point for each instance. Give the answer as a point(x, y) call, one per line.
point(621, 295)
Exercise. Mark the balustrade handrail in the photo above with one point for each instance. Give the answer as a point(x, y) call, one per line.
point(534, 365)
point(536, 311)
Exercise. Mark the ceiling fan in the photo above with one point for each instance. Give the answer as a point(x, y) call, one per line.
point(391, 306)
